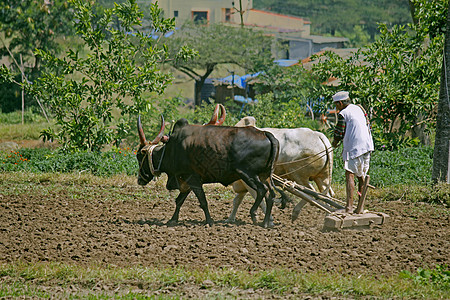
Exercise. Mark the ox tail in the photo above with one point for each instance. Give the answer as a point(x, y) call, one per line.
point(275, 150)
point(329, 163)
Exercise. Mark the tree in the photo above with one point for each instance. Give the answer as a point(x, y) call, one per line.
point(121, 65)
point(396, 78)
point(287, 84)
point(28, 25)
point(218, 44)
point(442, 140)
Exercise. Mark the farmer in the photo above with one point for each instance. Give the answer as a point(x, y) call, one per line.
point(353, 129)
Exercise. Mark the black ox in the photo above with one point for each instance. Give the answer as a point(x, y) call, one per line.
point(195, 155)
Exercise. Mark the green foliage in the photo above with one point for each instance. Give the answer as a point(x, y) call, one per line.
point(28, 25)
point(246, 48)
point(404, 166)
point(16, 117)
point(287, 84)
point(241, 46)
point(267, 113)
point(407, 166)
point(121, 66)
point(358, 36)
point(116, 161)
point(439, 276)
point(396, 79)
point(428, 17)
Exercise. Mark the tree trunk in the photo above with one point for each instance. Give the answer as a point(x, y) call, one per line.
point(441, 146)
point(199, 84)
point(198, 92)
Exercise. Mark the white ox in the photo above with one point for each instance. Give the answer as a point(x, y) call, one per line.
point(305, 155)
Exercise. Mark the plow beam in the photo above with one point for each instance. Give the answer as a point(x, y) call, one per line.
point(308, 195)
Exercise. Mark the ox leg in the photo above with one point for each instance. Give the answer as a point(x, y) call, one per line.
point(284, 198)
point(261, 190)
point(268, 220)
point(179, 202)
point(236, 202)
point(200, 193)
point(324, 186)
point(262, 205)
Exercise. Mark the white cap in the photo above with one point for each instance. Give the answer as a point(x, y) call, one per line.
point(340, 96)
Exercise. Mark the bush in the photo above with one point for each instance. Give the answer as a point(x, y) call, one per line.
point(30, 116)
point(439, 276)
point(116, 161)
point(404, 166)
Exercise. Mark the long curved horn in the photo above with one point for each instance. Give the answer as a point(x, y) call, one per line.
point(141, 131)
point(214, 116)
point(223, 114)
point(161, 132)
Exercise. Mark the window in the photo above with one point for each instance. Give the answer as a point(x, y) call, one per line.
point(175, 13)
point(227, 15)
point(200, 16)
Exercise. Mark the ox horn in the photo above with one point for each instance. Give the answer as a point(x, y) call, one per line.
point(223, 114)
point(214, 116)
point(141, 131)
point(161, 132)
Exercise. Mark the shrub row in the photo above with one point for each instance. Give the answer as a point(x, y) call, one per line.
point(405, 166)
point(45, 161)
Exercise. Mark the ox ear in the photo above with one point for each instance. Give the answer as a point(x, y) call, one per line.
point(214, 116)
point(223, 114)
point(141, 131)
point(161, 132)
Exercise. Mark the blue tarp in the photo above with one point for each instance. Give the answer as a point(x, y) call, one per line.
point(239, 81)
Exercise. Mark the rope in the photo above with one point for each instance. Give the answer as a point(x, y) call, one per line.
point(304, 166)
point(294, 161)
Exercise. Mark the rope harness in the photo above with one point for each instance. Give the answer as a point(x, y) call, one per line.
point(319, 155)
point(149, 154)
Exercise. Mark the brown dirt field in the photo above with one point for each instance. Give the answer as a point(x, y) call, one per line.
point(87, 224)
point(123, 224)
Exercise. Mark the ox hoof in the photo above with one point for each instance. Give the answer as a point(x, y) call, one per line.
point(268, 225)
point(230, 221)
point(172, 223)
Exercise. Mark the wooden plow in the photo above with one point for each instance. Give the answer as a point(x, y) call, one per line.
point(336, 217)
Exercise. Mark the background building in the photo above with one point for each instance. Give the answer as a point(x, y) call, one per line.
point(292, 32)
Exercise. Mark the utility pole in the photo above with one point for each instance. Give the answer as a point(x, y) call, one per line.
point(23, 88)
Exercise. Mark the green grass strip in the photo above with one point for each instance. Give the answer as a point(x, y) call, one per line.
point(97, 282)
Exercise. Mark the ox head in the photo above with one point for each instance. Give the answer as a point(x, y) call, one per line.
point(144, 154)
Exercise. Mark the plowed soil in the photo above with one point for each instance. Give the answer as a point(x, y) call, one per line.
point(126, 225)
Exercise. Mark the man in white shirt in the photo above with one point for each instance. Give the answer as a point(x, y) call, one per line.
point(353, 129)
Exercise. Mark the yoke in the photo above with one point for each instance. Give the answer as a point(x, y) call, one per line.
point(336, 217)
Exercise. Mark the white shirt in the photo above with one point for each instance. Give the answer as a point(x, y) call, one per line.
point(357, 138)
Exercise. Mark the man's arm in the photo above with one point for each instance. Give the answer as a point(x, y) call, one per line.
point(339, 131)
